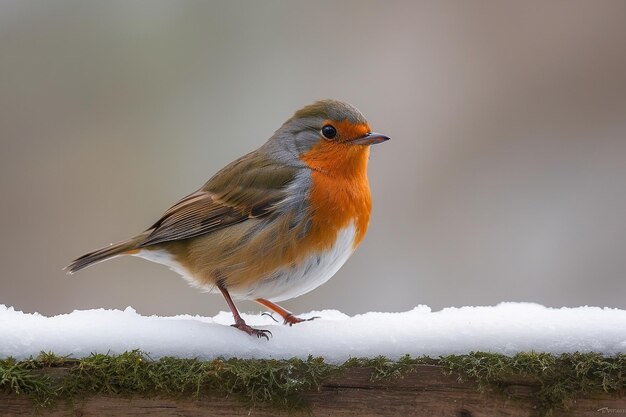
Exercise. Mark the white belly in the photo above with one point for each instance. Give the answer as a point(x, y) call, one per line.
point(291, 282)
point(284, 283)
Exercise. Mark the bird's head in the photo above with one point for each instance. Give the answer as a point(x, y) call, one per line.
point(329, 136)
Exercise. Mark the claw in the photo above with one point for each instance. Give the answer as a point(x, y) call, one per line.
point(252, 331)
point(270, 315)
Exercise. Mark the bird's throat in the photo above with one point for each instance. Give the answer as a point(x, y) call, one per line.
point(340, 192)
point(338, 160)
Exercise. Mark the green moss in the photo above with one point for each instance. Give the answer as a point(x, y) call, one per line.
point(560, 378)
point(383, 368)
point(279, 383)
point(282, 383)
point(19, 378)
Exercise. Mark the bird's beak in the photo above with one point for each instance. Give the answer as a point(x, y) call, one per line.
point(370, 139)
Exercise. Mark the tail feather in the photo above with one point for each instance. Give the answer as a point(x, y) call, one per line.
point(111, 251)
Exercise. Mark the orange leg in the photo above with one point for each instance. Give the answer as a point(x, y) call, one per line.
point(287, 316)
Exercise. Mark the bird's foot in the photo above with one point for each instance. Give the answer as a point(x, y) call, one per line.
point(241, 325)
point(290, 319)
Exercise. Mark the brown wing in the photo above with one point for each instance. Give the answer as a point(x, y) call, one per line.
point(251, 186)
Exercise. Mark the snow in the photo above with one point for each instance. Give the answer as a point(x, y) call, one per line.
point(506, 328)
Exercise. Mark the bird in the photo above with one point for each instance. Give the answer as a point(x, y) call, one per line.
point(275, 223)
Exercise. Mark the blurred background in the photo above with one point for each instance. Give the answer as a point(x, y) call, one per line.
point(505, 179)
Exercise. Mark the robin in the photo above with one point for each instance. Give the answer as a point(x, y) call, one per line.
point(275, 223)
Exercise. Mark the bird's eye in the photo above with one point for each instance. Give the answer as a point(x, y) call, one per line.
point(329, 132)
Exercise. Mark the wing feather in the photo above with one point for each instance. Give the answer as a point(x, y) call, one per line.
point(250, 187)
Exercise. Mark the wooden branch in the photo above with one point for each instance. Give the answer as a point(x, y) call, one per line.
point(424, 392)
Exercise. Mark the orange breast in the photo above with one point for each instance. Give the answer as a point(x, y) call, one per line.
point(340, 192)
point(339, 196)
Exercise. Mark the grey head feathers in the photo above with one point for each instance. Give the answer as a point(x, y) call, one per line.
point(330, 110)
point(302, 131)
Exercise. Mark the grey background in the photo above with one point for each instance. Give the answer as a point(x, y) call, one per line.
point(505, 179)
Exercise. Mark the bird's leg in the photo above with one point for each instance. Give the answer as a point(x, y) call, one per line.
point(239, 322)
point(287, 316)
